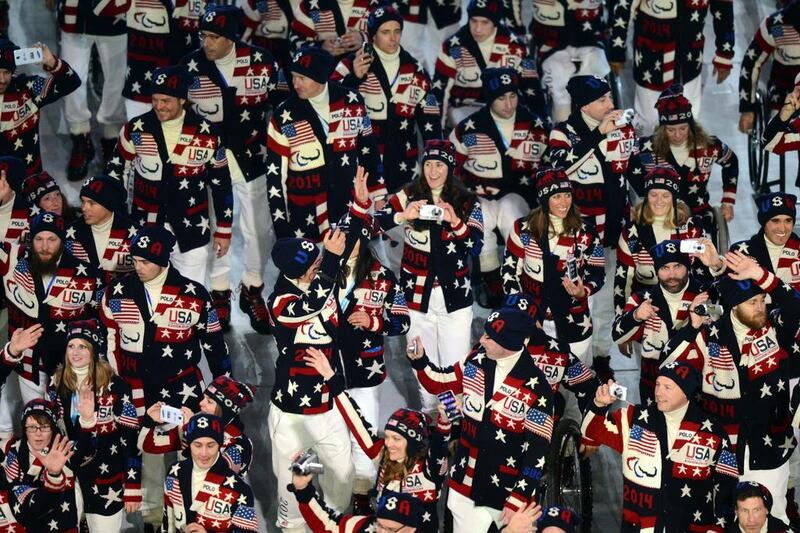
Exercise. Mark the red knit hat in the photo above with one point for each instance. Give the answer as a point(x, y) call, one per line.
point(412, 425)
point(550, 182)
point(231, 395)
point(673, 107)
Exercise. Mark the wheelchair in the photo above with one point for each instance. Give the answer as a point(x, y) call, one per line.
point(758, 159)
point(569, 475)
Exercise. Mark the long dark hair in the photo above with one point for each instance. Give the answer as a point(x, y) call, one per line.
point(362, 269)
point(453, 193)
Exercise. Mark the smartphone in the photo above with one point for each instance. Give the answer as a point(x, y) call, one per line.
point(448, 399)
point(28, 56)
point(171, 415)
point(367, 49)
point(572, 268)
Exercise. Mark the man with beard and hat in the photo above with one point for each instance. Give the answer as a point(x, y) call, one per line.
point(681, 142)
point(45, 285)
point(596, 151)
point(508, 409)
point(317, 139)
point(176, 158)
point(652, 315)
point(746, 369)
point(753, 506)
point(482, 43)
point(397, 95)
point(15, 211)
point(23, 97)
point(669, 43)
point(102, 237)
point(204, 476)
point(159, 325)
point(678, 467)
point(498, 150)
point(39, 474)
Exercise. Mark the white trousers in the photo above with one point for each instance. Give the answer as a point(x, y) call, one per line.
point(258, 236)
point(501, 214)
point(645, 100)
point(445, 336)
point(327, 434)
point(367, 399)
point(776, 480)
point(76, 49)
point(559, 67)
point(424, 41)
point(154, 471)
point(390, 252)
point(133, 108)
point(105, 524)
point(27, 391)
point(602, 308)
point(471, 518)
point(192, 264)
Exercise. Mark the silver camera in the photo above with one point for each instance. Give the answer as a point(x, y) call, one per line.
point(618, 391)
point(431, 212)
point(626, 118)
point(308, 463)
point(712, 311)
point(692, 246)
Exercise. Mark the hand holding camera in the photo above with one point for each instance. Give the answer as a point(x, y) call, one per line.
point(609, 393)
point(307, 464)
point(626, 118)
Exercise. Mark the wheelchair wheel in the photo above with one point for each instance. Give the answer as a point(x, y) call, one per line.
point(756, 157)
point(723, 238)
point(569, 476)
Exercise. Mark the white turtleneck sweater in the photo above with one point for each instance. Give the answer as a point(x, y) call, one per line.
point(674, 419)
point(487, 45)
point(592, 123)
point(100, 234)
point(390, 62)
point(660, 229)
point(81, 373)
point(437, 193)
point(774, 251)
point(346, 7)
point(557, 227)
point(5, 212)
point(674, 299)
point(505, 126)
point(503, 368)
point(198, 477)
point(321, 106)
point(172, 131)
point(226, 65)
point(680, 152)
point(153, 289)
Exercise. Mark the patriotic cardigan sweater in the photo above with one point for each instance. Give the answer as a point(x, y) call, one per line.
point(18, 226)
point(322, 519)
point(224, 502)
point(493, 166)
point(444, 13)
point(457, 76)
point(669, 43)
point(158, 352)
point(239, 108)
point(381, 297)
point(71, 295)
point(747, 387)
point(160, 33)
point(776, 38)
point(318, 20)
point(236, 449)
point(782, 136)
point(505, 435)
point(653, 334)
point(530, 267)
point(425, 478)
point(562, 23)
point(304, 317)
point(635, 270)
point(396, 108)
point(267, 24)
point(114, 260)
point(688, 487)
point(311, 165)
point(597, 166)
point(93, 17)
point(21, 104)
point(695, 172)
point(107, 462)
point(39, 501)
point(172, 187)
point(788, 270)
point(8, 522)
point(436, 254)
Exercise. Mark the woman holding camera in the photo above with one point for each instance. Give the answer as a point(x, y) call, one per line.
point(202, 493)
point(410, 458)
point(659, 216)
point(557, 259)
point(443, 227)
point(224, 397)
point(95, 408)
